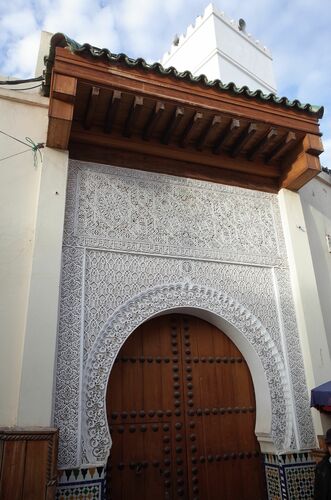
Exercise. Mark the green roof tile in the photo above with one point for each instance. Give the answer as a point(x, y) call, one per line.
point(61, 40)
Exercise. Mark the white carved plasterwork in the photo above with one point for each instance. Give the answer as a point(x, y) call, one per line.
point(112, 278)
point(129, 232)
point(306, 436)
point(68, 369)
point(122, 209)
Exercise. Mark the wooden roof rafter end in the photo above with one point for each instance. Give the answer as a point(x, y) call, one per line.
point(228, 138)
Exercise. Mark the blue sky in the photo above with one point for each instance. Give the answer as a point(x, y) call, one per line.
point(298, 33)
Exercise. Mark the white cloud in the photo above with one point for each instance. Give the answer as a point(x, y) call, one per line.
point(85, 21)
point(19, 23)
point(22, 56)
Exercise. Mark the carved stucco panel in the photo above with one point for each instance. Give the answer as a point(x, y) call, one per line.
point(121, 209)
point(305, 431)
point(141, 230)
point(68, 361)
point(112, 278)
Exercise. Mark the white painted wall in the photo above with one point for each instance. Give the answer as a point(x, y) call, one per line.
point(316, 204)
point(36, 390)
point(31, 227)
point(32, 198)
point(216, 47)
point(306, 285)
point(45, 40)
point(21, 115)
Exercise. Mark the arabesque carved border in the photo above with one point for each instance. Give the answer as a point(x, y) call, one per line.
point(145, 306)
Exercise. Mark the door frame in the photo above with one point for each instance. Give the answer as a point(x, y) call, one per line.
point(274, 408)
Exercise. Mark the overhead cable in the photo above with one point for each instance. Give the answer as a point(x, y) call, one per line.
point(19, 82)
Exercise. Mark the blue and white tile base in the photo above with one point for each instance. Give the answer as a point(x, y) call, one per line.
point(290, 476)
point(81, 484)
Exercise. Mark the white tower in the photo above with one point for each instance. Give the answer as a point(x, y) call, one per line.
point(220, 48)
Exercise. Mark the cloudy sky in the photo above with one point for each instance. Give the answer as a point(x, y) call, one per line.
point(298, 33)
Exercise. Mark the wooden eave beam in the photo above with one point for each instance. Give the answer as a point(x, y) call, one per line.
point(213, 124)
point(112, 110)
point(242, 140)
point(61, 111)
point(150, 84)
point(153, 120)
point(225, 134)
point(133, 116)
point(91, 107)
point(172, 124)
point(261, 144)
point(189, 129)
point(285, 144)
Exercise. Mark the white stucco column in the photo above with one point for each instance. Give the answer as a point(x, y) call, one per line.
point(307, 304)
point(36, 389)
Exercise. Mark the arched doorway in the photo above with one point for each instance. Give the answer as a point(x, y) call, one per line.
point(181, 411)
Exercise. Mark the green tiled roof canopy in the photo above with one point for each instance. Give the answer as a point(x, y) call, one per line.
point(61, 40)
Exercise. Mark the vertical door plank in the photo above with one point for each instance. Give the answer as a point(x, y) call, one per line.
point(224, 417)
point(35, 476)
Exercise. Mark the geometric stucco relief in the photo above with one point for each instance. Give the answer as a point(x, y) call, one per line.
point(128, 233)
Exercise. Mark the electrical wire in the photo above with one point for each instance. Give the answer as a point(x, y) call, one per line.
point(29, 142)
point(27, 88)
point(18, 82)
point(14, 138)
point(16, 154)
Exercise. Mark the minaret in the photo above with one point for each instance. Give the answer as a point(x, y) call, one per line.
point(221, 48)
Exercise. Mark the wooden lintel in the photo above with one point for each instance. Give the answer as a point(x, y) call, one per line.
point(112, 111)
point(64, 88)
point(59, 124)
point(232, 126)
point(133, 115)
point(304, 168)
point(91, 107)
point(153, 120)
point(242, 140)
point(284, 145)
point(172, 152)
point(189, 129)
point(127, 159)
point(172, 124)
point(261, 143)
point(213, 123)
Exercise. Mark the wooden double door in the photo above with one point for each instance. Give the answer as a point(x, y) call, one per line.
point(181, 412)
